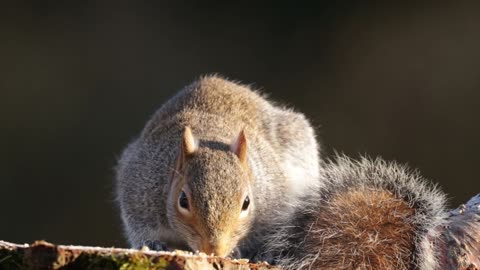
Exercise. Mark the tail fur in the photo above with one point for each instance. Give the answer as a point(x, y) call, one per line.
point(367, 214)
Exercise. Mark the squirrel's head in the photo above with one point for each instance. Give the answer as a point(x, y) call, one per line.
point(210, 198)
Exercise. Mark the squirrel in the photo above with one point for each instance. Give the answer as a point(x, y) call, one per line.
point(220, 169)
point(373, 214)
point(210, 167)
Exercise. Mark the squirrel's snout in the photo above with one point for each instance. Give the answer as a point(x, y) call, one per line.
point(219, 248)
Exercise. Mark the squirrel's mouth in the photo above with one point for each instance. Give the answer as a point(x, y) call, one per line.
point(216, 248)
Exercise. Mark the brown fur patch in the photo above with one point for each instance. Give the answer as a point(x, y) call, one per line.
point(363, 229)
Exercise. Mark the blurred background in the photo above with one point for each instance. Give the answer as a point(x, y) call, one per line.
point(78, 80)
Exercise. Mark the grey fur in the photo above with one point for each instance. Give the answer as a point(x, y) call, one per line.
point(282, 156)
point(287, 240)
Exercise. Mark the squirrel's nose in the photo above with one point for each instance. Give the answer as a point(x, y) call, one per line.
point(217, 248)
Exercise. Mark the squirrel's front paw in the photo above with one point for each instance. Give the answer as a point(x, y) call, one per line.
point(155, 245)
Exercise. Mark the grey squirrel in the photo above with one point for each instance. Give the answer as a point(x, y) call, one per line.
point(210, 167)
point(218, 168)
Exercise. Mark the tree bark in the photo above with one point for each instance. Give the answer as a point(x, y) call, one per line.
point(44, 255)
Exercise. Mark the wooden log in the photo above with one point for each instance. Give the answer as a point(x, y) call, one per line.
point(44, 255)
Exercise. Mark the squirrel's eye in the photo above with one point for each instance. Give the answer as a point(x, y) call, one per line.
point(246, 203)
point(183, 200)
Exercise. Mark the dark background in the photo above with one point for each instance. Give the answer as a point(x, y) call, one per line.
point(78, 81)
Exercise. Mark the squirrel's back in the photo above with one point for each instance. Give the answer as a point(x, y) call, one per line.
point(217, 109)
point(213, 98)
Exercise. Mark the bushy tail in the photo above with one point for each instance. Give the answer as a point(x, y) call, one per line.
point(368, 214)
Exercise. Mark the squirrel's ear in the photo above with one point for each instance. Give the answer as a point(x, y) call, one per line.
point(188, 143)
point(239, 147)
